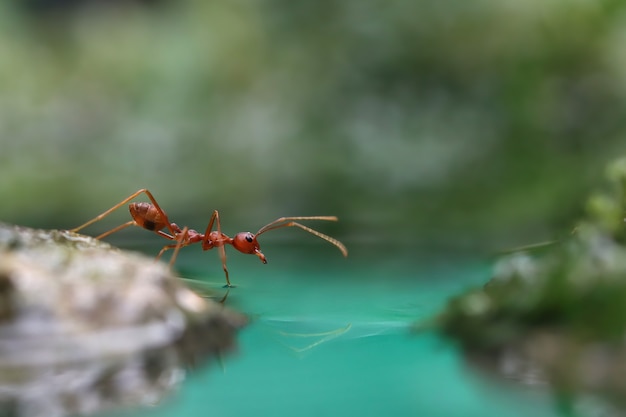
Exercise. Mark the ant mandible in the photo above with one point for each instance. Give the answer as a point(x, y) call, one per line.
point(151, 217)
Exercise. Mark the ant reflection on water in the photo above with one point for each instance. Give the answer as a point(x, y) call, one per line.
point(151, 217)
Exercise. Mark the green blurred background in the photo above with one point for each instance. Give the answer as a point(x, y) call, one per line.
point(476, 124)
point(424, 125)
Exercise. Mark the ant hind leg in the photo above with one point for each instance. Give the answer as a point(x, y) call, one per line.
point(116, 229)
point(180, 242)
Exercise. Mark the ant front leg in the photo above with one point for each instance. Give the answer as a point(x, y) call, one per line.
point(208, 244)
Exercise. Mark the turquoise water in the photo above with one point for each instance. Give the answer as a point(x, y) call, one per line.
point(330, 337)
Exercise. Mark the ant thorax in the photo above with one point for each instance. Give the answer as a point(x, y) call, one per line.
point(216, 239)
point(193, 236)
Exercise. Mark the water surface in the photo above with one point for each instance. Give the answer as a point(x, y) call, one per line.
point(330, 337)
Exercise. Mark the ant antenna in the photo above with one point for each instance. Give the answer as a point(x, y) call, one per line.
point(289, 222)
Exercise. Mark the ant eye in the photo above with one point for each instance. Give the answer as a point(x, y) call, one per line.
point(249, 237)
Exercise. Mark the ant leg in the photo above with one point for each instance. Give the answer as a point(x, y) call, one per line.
point(207, 232)
point(215, 218)
point(221, 249)
point(165, 235)
point(165, 248)
point(120, 204)
point(223, 258)
point(109, 211)
point(180, 242)
point(117, 229)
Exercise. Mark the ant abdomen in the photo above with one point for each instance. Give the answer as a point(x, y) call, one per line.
point(147, 216)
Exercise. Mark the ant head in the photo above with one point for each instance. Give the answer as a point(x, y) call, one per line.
point(246, 242)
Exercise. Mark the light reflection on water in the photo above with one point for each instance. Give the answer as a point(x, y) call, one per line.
point(330, 336)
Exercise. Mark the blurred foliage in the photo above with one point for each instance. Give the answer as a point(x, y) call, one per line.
point(562, 310)
point(577, 284)
point(407, 119)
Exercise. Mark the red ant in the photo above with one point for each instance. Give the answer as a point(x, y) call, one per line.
point(151, 217)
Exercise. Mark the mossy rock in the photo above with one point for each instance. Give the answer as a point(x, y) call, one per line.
point(86, 327)
point(556, 313)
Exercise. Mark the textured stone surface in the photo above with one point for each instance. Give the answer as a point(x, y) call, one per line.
point(85, 326)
